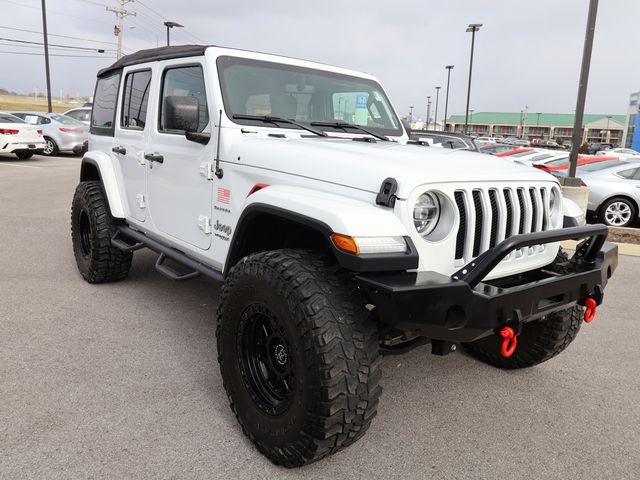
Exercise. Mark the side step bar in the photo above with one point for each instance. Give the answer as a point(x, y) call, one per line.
point(141, 241)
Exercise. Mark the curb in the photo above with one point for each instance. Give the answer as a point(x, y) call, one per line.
point(628, 249)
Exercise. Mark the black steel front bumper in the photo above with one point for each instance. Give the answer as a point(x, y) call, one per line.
point(463, 308)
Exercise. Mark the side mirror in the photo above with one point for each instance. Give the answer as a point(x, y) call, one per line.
point(181, 113)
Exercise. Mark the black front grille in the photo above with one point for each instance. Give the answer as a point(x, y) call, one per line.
point(522, 210)
point(477, 205)
point(462, 229)
point(494, 218)
point(499, 206)
point(534, 209)
point(509, 222)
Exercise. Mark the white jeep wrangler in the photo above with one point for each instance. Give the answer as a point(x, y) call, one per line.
point(337, 238)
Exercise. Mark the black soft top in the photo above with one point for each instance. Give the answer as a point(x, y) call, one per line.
point(154, 55)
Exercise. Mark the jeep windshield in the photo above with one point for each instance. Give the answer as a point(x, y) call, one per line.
point(316, 97)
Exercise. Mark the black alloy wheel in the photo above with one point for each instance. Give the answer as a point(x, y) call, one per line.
point(266, 365)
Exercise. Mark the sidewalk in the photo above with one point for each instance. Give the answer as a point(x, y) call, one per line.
point(623, 248)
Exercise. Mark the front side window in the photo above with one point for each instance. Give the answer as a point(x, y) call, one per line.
point(255, 87)
point(104, 105)
point(185, 82)
point(135, 100)
point(630, 173)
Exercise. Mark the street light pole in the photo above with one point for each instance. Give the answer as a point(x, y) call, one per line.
point(169, 26)
point(435, 121)
point(473, 28)
point(582, 87)
point(446, 100)
point(46, 55)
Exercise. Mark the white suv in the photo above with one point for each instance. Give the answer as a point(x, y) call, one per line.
point(336, 236)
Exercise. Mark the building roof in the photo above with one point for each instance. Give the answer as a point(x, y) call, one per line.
point(546, 119)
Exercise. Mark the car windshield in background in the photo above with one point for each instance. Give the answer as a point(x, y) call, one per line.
point(66, 120)
point(594, 167)
point(8, 118)
point(253, 87)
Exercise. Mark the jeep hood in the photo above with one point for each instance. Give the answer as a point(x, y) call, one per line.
point(364, 165)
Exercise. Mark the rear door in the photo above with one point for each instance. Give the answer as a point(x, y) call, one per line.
point(132, 134)
point(180, 194)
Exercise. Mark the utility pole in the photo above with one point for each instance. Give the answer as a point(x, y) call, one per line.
point(435, 122)
point(46, 55)
point(446, 101)
point(582, 87)
point(428, 122)
point(121, 14)
point(473, 28)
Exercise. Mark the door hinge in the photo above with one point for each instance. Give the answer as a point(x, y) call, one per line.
point(142, 201)
point(204, 224)
point(206, 170)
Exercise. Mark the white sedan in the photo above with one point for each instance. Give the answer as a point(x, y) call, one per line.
point(19, 138)
point(624, 153)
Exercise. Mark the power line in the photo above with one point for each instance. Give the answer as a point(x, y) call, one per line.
point(54, 35)
point(56, 45)
point(56, 55)
point(56, 12)
point(165, 18)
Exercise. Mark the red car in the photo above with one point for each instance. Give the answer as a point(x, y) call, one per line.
point(563, 163)
point(513, 152)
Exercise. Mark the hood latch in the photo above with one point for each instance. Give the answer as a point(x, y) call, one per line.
point(387, 194)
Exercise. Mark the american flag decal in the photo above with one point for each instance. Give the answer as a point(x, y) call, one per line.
point(224, 195)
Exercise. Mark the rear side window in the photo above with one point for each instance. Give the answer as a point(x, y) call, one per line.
point(4, 118)
point(104, 105)
point(136, 99)
point(184, 82)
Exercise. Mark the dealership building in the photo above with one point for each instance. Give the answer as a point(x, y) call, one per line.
point(547, 126)
point(632, 130)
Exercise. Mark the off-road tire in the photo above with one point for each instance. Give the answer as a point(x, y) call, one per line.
point(92, 227)
point(539, 341)
point(333, 347)
point(24, 155)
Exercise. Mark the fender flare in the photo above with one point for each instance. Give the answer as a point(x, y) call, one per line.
point(354, 217)
point(101, 163)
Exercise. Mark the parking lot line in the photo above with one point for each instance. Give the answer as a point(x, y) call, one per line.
point(20, 166)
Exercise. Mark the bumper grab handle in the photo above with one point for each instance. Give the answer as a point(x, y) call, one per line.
point(474, 272)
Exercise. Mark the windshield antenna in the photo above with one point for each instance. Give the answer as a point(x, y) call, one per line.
point(218, 171)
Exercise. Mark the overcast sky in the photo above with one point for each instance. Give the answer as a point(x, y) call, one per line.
point(527, 52)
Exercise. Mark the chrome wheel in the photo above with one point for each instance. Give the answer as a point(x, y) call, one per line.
point(618, 214)
point(49, 147)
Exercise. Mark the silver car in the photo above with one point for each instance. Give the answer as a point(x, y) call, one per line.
point(82, 114)
point(61, 133)
point(614, 191)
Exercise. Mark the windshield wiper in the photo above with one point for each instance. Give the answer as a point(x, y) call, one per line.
point(276, 120)
point(345, 125)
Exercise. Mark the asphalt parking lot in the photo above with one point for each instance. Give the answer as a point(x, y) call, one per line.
point(121, 380)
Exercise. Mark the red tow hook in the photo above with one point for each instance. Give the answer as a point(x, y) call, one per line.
point(590, 310)
point(509, 342)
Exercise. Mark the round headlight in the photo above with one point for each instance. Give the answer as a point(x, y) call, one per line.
point(426, 213)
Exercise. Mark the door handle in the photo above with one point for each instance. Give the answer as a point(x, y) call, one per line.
point(120, 150)
point(154, 157)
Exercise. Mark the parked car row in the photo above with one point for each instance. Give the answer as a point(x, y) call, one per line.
point(26, 133)
point(613, 177)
